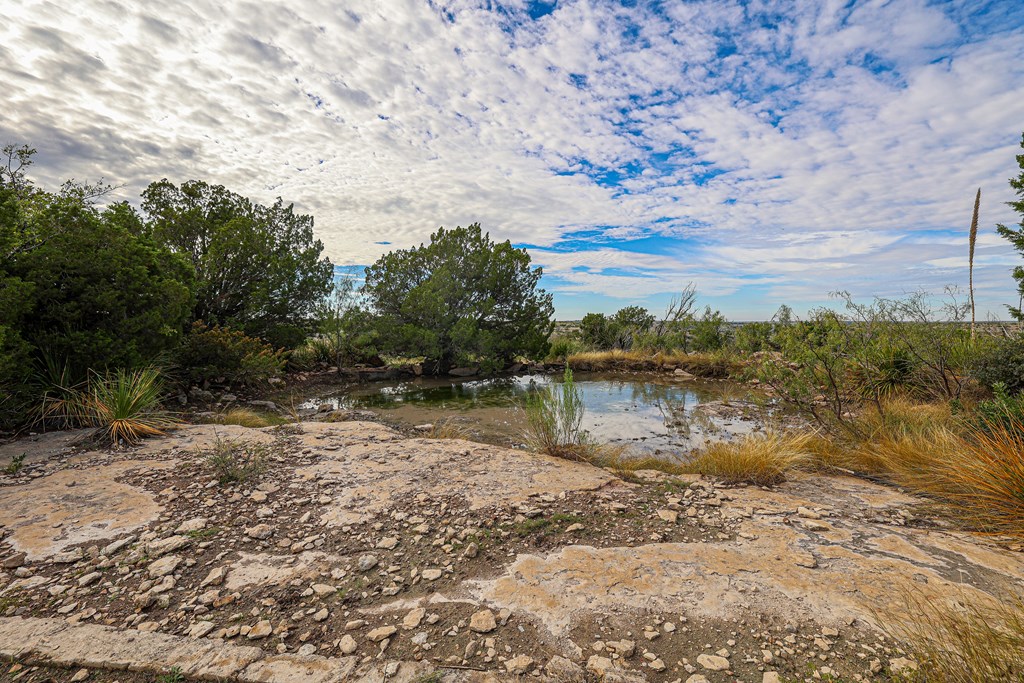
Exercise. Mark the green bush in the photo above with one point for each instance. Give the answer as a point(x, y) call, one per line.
point(1000, 361)
point(563, 347)
point(1004, 410)
point(214, 354)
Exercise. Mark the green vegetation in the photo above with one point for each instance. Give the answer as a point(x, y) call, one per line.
point(124, 406)
point(257, 268)
point(218, 352)
point(236, 461)
point(15, 465)
point(460, 300)
point(555, 417)
point(1016, 235)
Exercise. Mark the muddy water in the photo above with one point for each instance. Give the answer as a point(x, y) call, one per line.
point(651, 414)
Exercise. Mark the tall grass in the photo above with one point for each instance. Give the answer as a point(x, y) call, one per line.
point(975, 472)
point(962, 642)
point(760, 459)
point(124, 406)
point(554, 416)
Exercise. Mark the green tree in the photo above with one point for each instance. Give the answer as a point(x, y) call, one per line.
point(1016, 235)
point(709, 332)
point(102, 296)
point(628, 323)
point(257, 267)
point(462, 298)
point(597, 331)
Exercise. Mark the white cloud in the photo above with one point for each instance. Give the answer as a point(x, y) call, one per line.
point(836, 131)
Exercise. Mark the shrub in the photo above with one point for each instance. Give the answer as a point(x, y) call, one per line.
point(213, 353)
point(1000, 361)
point(759, 459)
point(448, 429)
point(124, 406)
point(1002, 410)
point(555, 418)
point(236, 461)
point(563, 347)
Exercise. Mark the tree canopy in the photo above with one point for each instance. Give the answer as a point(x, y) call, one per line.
point(1016, 235)
point(460, 299)
point(79, 287)
point(257, 267)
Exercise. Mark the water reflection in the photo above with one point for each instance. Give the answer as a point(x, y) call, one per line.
point(650, 414)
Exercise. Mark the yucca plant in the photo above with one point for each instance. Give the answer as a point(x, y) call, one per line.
point(124, 406)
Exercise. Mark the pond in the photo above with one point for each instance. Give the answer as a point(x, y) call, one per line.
point(651, 414)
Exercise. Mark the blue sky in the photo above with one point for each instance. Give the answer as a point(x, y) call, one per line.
point(769, 152)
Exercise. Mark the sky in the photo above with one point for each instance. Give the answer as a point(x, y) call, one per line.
point(769, 151)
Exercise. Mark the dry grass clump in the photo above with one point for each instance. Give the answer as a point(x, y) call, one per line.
point(975, 474)
point(244, 417)
point(962, 642)
point(759, 459)
point(448, 428)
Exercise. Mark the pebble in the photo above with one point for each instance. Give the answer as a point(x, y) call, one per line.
point(262, 629)
point(379, 634)
point(347, 644)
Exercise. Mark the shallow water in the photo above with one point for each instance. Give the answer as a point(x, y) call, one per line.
point(651, 414)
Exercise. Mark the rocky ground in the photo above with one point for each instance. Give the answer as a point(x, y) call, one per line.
point(361, 554)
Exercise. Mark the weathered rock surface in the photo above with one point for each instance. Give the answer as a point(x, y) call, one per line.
point(358, 545)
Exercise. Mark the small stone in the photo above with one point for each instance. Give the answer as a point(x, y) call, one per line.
point(193, 525)
point(323, 589)
point(164, 566)
point(902, 665)
point(562, 670)
point(670, 516)
point(200, 629)
point(88, 579)
point(262, 629)
point(260, 531)
point(713, 662)
point(12, 561)
point(770, 677)
point(697, 678)
point(347, 644)
point(387, 543)
point(366, 563)
point(413, 618)
point(598, 665)
point(215, 577)
point(321, 615)
point(657, 665)
point(483, 621)
point(379, 634)
point(432, 574)
point(80, 676)
point(574, 528)
point(518, 666)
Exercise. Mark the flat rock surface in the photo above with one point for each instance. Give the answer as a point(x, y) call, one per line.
point(357, 554)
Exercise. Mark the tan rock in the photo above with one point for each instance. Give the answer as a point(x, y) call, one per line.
point(483, 621)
